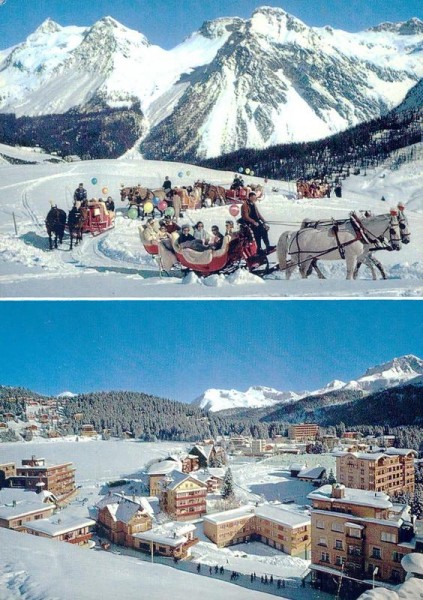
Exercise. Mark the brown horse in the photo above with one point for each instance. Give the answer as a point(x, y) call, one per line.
point(216, 194)
point(76, 220)
point(55, 224)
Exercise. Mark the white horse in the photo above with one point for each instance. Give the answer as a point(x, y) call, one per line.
point(352, 239)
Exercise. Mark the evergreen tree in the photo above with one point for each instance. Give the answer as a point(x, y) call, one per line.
point(416, 504)
point(331, 477)
point(228, 486)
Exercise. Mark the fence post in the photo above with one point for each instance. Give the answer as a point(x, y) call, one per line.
point(14, 223)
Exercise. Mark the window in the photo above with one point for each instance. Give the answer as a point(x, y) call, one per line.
point(337, 527)
point(376, 553)
point(320, 524)
point(395, 575)
point(355, 533)
point(325, 557)
point(323, 542)
point(397, 556)
point(388, 537)
point(338, 544)
point(339, 560)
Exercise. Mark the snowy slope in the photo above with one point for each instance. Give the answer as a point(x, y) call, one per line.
point(255, 397)
point(233, 83)
point(115, 265)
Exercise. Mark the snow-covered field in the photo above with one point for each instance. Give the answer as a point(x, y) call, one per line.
point(115, 265)
point(97, 462)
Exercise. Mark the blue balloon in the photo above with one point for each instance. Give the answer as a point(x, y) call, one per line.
point(156, 201)
point(240, 170)
point(94, 180)
point(180, 174)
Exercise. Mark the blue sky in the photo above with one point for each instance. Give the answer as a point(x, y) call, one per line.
point(179, 349)
point(168, 22)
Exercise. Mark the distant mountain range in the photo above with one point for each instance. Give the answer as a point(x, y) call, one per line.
point(396, 372)
point(234, 83)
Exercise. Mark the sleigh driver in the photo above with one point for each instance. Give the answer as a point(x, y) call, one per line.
point(252, 217)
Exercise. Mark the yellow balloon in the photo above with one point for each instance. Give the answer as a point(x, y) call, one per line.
point(148, 207)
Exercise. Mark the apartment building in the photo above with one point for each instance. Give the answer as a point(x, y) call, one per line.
point(359, 536)
point(301, 432)
point(6, 470)
point(35, 474)
point(183, 496)
point(275, 526)
point(389, 471)
point(170, 539)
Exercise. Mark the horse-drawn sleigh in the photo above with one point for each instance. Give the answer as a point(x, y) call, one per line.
point(92, 217)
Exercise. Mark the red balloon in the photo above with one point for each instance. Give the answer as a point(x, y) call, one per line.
point(234, 210)
point(162, 205)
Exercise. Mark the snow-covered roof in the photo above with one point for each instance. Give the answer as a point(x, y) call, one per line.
point(217, 472)
point(171, 534)
point(22, 509)
point(296, 467)
point(282, 515)
point(205, 450)
point(312, 473)
point(122, 508)
point(230, 515)
point(399, 451)
point(353, 525)
point(59, 525)
point(360, 455)
point(177, 478)
point(353, 496)
point(10, 495)
point(164, 467)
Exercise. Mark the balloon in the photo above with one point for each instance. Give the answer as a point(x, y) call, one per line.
point(180, 174)
point(169, 212)
point(251, 173)
point(162, 205)
point(247, 171)
point(94, 180)
point(122, 185)
point(148, 207)
point(133, 213)
point(240, 170)
point(105, 190)
point(234, 210)
point(188, 173)
point(156, 201)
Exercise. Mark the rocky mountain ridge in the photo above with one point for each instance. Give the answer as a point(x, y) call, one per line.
point(231, 84)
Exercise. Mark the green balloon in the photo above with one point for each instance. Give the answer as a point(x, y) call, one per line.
point(133, 213)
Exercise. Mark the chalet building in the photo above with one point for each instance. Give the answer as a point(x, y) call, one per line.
point(352, 435)
point(312, 474)
point(186, 462)
point(119, 518)
point(157, 473)
point(258, 446)
point(3, 425)
point(183, 496)
point(359, 536)
point(239, 442)
point(208, 455)
point(63, 528)
point(171, 539)
point(34, 474)
point(390, 471)
point(301, 432)
point(20, 514)
point(213, 478)
point(275, 526)
point(87, 430)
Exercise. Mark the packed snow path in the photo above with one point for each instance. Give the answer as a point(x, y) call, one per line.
point(115, 265)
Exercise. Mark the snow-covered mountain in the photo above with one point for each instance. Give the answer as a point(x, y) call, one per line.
point(231, 84)
point(255, 397)
point(395, 372)
point(67, 395)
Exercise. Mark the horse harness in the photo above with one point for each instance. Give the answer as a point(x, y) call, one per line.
point(362, 234)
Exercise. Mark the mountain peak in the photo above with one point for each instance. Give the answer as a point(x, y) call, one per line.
point(48, 26)
point(413, 26)
point(219, 27)
point(275, 22)
point(407, 364)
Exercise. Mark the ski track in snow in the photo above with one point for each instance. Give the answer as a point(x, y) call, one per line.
point(118, 266)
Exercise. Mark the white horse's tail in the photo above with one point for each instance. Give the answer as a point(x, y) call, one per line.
point(282, 249)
